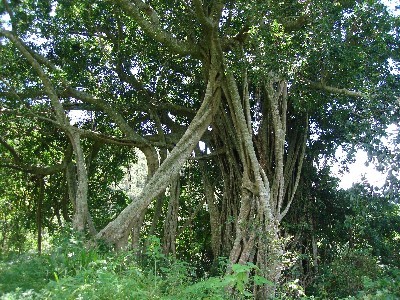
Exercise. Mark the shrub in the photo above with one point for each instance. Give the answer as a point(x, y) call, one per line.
point(24, 272)
point(345, 275)
point(385, 287)
point(73, 271)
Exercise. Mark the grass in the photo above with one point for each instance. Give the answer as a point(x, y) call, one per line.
point(70, 270)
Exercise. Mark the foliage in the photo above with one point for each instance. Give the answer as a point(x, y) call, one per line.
point(24, 272)
point(344, 276)
point(353, 284)
point(291, 82)
point(384, 287)
point(71, 270)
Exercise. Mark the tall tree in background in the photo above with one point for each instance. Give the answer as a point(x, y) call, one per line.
point(259, 83)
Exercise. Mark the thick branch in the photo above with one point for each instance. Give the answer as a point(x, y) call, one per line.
point(117, 117)
point(135, 8)
point(43, 171)
point(11, 150)
point(115, 231)
point(59, 111)
point(139, 141)
point(334, 90)
point(198, 5)
point(100, 137)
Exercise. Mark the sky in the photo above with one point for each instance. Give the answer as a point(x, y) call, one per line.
point(391, 4)
point(357, 170)
point(361, 167)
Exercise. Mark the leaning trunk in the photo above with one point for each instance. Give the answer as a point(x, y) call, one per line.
point(116, 230)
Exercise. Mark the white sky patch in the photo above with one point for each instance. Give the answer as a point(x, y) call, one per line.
point(135, 70)
point(202, 146)
point(361, 167)
point(76, 116)
point(391, 5)
point(171, 116)
point(357, 170)
point(5, 21)
point(53, 9)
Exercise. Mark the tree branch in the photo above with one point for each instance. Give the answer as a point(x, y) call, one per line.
point(98, 136)
point(334, 90)
point(48, 86)
point(44, 171)
point(198, 5)
point(10, 13)
point(151, 27)
point(104, 106)
point(11, 149)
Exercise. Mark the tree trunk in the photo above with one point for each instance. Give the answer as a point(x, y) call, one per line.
point(77, 180)
point(264, 194)
point(213, 212)
point(135, 232)
point(116, 230)
point(171, 220)
point(39, 217)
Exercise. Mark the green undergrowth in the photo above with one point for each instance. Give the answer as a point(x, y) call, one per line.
point(73, 271)
point(357, 274)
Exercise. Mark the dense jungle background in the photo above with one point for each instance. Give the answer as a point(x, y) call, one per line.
point(184, 149)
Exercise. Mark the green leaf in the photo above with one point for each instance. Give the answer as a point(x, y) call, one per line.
point(259, 280)
point(238, 268)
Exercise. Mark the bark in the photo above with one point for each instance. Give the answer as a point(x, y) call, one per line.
point(213, 211)
point(171, 220)
point(148, 18)
point(81, 205)
point(295, 171)
point(278, 107)
point(314, 253)
point(161, 197)
point(137, 220)
point(64, 205)
point(257, 230)
point(81, 208)
point(157, 212)
point(70, 176)
point(39, 216)
point(314, 245)
point(115, 231)
point(230, 168)
point(135, 232)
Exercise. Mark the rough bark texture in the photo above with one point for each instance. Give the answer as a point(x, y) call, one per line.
point(39, 217)
point(115, 231)
point(81, 206)
point(213, 212)
point(171, 220)
point(267, 187)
